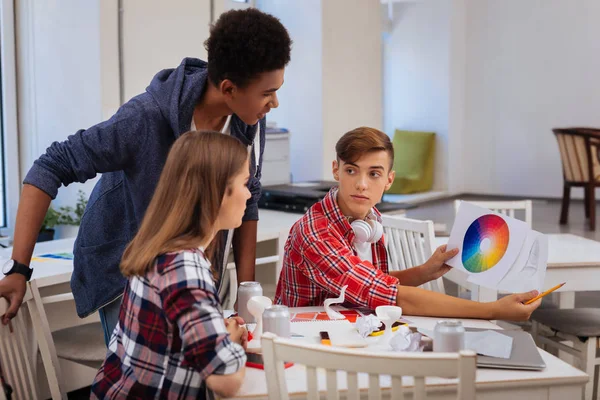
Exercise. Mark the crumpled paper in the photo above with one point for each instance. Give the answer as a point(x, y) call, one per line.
point(405, 340)
point(367, 324)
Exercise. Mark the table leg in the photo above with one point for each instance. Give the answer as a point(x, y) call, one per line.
point(566, 300)
point(280, 252)
point(483, 294)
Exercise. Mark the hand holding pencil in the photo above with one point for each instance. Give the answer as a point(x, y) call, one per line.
point(513, 307)
point(547, 292)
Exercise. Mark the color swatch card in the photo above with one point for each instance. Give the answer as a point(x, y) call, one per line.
point(494, 250)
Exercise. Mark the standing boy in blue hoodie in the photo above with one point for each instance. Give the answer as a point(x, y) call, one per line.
point(247, 53)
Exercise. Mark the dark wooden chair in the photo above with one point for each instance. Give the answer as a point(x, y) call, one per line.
point(579, 153)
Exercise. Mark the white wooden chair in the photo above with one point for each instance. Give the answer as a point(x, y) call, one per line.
point(72, 349)
point(409, 243)
point(576, 332)
point(231, 274)
point(509, 208)
point(418, 365)
point(17, 365)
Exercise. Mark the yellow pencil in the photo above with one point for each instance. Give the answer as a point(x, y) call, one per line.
point(539, 296)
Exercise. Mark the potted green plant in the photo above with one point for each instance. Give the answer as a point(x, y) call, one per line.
point(50, 221)
point(72, 216)
point(66, 218)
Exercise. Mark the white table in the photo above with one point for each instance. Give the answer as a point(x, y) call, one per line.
point(557, 381)
point(572, 259)
point(272, 225)
point(50, 272)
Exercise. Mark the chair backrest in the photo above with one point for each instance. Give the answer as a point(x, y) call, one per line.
point(508, 208)
point(16, 362)
point(233, 282)
point(231, 273)
point(409, 243)
point(417, 365)
point(43, 337)
point(579, 153)
point(53, 314)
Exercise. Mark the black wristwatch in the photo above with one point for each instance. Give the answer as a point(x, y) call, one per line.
point(15, 267)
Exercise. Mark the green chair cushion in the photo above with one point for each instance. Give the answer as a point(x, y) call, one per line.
point(414, 156)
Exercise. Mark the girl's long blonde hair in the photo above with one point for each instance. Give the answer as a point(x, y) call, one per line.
point(187, 198)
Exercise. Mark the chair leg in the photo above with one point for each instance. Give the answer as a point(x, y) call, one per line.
point(592, 207)
point(586, 201)
point(589, 363)
point(564, 210)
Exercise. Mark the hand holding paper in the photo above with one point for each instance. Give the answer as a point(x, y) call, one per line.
point(497, 251)
point(436, 266)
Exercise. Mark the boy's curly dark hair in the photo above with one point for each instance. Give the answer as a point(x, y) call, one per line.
point(245, 43)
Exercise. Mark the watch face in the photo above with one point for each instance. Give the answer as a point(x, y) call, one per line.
point(7, 266)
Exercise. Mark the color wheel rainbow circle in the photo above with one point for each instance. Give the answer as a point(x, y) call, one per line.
point(485, 243)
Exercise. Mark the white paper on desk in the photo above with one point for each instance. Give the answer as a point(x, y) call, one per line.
point(489, 343)
point(466, 218)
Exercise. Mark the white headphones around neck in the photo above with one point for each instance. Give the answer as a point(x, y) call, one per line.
point(369, 230)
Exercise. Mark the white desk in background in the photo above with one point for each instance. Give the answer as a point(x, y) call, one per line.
point(557, 381)
point(272, 224)
point(571, 258)
point(49, 272)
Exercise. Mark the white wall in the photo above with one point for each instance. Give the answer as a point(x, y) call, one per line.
point(333, 83)
point(109, 57)
point(59, 77)
point(531, 66)
point(69, 63)
point(456, 120)
point(8, 109)
point(300, 98)
point(417, 75)
point(158, 34)
point(352, 65)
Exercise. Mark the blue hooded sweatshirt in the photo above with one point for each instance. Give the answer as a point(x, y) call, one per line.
point(130, 150)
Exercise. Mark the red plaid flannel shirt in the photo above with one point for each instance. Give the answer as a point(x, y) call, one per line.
point(320, 259)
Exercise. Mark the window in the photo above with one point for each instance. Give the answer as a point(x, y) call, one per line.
point(9, 150)
point(2, 165)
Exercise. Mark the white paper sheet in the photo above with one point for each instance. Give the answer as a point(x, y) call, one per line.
point(487, 343)
point(529, 271)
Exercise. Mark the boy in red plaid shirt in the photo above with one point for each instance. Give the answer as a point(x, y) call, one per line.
point(321, 255)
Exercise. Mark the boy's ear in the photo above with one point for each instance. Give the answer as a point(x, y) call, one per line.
point(391, 176)
point(227, 87)
point(335, 169)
